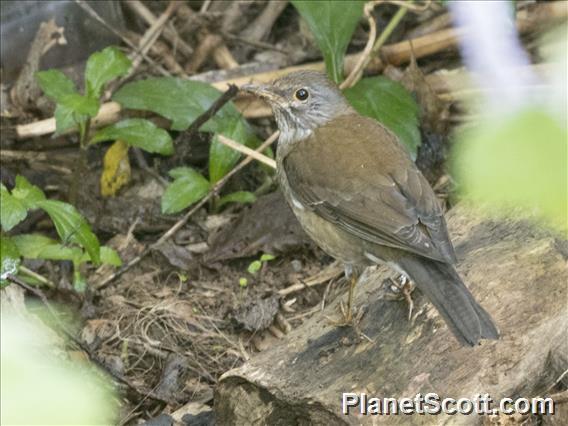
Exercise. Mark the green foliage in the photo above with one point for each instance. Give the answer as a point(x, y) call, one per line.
point(137, 132)
point(103, 67)
point(9, 259)
point(71, 227)
point(388, 102)
point(332, 24)
point(256, 265)
point(520, 160)
point(72, 107)
point(243, 197)
point(188, 187)
point(182, 101)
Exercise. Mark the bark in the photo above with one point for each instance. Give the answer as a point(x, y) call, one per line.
point(515, 270)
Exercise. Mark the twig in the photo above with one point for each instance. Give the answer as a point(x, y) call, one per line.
point(373, 46)
point(170, 232)
point(170, 34)
point(229, 94)
point(36, 276)
point(327, 274)
point(247, 151)
point(87, 8)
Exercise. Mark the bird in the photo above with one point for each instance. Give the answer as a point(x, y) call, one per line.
point(358, 194)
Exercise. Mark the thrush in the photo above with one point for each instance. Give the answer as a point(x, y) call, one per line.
point(357, 193)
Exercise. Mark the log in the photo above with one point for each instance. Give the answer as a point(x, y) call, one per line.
point(515, 270)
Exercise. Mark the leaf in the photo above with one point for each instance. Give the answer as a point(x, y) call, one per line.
point(221, 157)
point(181, 101)
point(27, 193)
point(332, 24)
point(55, 84)
point(254, 267)
point(237, 197)
point(138, 132)
point(80, 105)
point(266, 257)
point(37, 246)
point(188, 187)
point(9, 259)
point(391, 104)
point(243, 282)
point(108, 257)
point(64, 119)
point(116, 169)
point(103, 67)
point(71, 226)
point(519, 160)
point(12, 210)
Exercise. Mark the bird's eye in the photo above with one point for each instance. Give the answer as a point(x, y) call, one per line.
point(301, 94)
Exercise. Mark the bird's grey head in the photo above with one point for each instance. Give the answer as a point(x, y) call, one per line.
point(301, 101)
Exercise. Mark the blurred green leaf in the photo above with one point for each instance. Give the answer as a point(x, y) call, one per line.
point(521, 160)
point(37, 246)
point(12, 210)
point(64, 119)
point(9, 259)
point(254, 267)
point(138, 132)
point(221, 157)
point(108, 257)
point(72, 227)
point(181, 101)
point(188, 187)
point(332, 24)
point(27, 193)
point(388, 102)
point(237, 197)
point(81, 105)
point(103, 67)
point(267, 257)
point(243, 282)
point(55, 84)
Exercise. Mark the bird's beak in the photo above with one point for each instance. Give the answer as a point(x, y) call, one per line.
point(264, 91)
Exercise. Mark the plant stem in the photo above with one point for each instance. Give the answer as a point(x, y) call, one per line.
point(385, 34)
point(36, 276)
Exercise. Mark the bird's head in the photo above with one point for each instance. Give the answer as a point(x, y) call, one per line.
point(301, 102)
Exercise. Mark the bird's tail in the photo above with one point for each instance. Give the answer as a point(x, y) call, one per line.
point(443, 286)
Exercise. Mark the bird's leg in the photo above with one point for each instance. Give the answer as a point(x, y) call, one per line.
point(406, 287)
point(351, 316)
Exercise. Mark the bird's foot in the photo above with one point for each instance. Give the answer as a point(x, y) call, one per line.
point(350, 317)
point(403, 287)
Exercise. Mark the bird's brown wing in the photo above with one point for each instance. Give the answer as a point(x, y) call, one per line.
point(355, 173)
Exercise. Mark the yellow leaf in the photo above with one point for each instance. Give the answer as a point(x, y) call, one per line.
point(116, 172)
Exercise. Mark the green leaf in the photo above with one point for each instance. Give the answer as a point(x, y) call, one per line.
point(188, 187)
point(391, 104)
point(80, 105)
point(27, 193)
point(72, 227)
point(332, 24)
point(37, 246)
point(138, 132)
point(12, 210)
point(243, 282)
point(254, 267)
point(9, 259)
point(519, 160)
point(55, 84)
point(181, 101)
point(237, 197)
point(103, 67)
point(108, 257)
point(266, 257)
point(64, 119)
point(221, 157)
